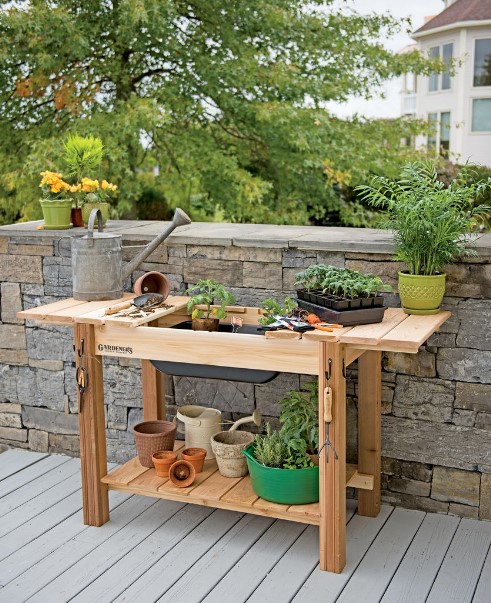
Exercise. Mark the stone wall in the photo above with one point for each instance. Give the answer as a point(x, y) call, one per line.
point(436, 404)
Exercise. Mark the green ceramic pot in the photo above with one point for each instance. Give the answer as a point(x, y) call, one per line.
point(88, 207)
point(286, 486)
point(56, 213)
point(421, 294)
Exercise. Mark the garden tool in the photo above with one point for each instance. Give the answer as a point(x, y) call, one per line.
point(143, 302)
point(327, 422)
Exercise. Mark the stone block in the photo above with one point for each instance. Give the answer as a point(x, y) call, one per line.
point(424, 399)
point(442, 340)
point(64, 444)
point(38, 440)
point(331, 258)
point(269, 394)
point(176, 251)
point(289, 276)
point(483, 421)
point(409, 486)
point(117, 417)
point(47, 365)
point(10, 419)
point(12, 337)
point(409, 501)
point(4, 244)
point(49, 420)
point(467, 418)
point(418, 365)
point(122, 386)
point(215, 252)
point(467, 280)
point(5, 444)
point(135, 415)
point(262, 254)
point(29, 289)
point(16, 357)
point(387, 271)
point(227, 272)
point(473, 396)
point(296, 258)
point(228, 396)
point(130, 362)
point(118, 452)
point(462, 364)
point(19, 249)
point(261, 275)
point(413, 471)
point(8, 383)
point(254, 297)
point(454, 485)
point(436, 443)
point(37, 387)
point(475, 324)
point(9, 407)
point(50, 343)
point(21, 269)
point(463, 510)
point(485, 498)
point(13, 434)
point(57, 274)
point(10, 302)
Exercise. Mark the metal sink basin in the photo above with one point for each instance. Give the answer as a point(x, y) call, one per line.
point(228, 373)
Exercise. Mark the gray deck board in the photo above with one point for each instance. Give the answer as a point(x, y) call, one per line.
point(157, 550)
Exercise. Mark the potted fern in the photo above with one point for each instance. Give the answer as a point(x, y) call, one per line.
point(432, 226)
point(208, 304)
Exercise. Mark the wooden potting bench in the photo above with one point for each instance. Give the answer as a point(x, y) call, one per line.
point(327, 355)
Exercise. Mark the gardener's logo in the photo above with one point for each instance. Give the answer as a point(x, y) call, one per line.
point(114, 349)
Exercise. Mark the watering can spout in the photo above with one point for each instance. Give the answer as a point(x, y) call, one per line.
point(180, 219)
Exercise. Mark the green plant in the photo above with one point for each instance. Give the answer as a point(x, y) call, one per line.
point(431, 222)
point(271, 449)
point(299, 419)
point(209, 292)
point(271, 308)
point(83, 154)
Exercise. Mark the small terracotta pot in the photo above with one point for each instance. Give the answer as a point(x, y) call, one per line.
point(182, 474)
point(152, 282)
point(205, 324)
point(162, 461)
point(196, 456)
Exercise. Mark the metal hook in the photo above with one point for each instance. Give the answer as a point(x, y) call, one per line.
point(80, 351)
point(328, 372)
point(344, 369)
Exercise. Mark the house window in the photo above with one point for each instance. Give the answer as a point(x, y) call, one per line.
point(441, 81)
point(482, 63)
point(481, 115)
point(439, 132)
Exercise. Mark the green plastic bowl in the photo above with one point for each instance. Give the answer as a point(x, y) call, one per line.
point(286, 486)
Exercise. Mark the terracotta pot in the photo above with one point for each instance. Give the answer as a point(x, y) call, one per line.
point(162, 461)
point(196, 456)
point(152, 282)
point(205, 324)
point(76, 217)
point(182, 474)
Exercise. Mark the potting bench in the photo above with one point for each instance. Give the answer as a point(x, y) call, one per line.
point(149, 336)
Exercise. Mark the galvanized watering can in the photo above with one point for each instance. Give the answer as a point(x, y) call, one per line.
point(97, 264)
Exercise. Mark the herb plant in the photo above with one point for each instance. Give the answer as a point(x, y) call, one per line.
point(272, 307)
point(430, 221)
point(271, 449)
point(299, 419)
point(207, 293)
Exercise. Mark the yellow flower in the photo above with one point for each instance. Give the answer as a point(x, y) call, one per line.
point(105, 185)
point(89, 186)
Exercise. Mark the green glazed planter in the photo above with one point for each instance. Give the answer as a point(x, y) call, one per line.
point(286, 486)
point(421, 294)
point(56, 213)
point(88, 207)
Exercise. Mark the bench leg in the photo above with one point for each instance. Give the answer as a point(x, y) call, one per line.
point(153, 392)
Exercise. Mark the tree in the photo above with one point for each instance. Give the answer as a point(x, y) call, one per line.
point(226, 97)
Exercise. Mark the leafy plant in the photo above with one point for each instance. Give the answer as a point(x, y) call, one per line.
point(299, 420)
point(271, 449)
point(83, 154)
point(272, 307)
point(430, 221)
point(209, 292)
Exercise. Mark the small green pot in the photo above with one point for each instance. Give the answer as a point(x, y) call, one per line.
point(286, 486)
point(56, 213)
point(421, 294)
point(88, 207)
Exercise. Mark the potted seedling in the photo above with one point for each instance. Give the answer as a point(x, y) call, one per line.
point(207, 304)
point(432, 225)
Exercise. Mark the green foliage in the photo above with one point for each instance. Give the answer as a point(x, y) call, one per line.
point(207, 293)
point(340, 281)
point(272, 307)
point(83, 154)
point(271, 449)
point(431, 222)
point(299, 420)
point(225, 97)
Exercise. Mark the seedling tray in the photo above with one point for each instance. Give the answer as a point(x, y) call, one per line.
point(338, 303)
point(347, 318)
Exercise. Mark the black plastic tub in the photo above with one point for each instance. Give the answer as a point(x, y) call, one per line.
point(228, 373)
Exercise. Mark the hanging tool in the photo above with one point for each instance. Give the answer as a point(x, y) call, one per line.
point(327, 422)
point(82, 383)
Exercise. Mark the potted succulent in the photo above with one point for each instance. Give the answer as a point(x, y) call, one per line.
point(283, 464)
point(207, 293)
point(432, 225)
point(55, 203)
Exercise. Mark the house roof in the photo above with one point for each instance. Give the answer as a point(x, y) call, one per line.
point(459, 11)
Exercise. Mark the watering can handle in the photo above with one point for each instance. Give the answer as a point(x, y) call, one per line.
point(95, 212)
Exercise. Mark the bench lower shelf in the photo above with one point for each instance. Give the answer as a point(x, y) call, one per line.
point(211, 489)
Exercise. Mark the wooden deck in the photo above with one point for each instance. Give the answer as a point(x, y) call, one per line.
point(163, 550)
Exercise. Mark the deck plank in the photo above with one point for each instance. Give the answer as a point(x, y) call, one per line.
point(35, 471)
point(461, 568)
point(484, 585)
point(417, 571)
point(12, 461)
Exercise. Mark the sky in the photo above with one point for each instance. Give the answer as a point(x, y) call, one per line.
point(416, 10)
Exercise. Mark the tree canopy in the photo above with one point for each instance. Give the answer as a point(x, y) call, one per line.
point(225, 97)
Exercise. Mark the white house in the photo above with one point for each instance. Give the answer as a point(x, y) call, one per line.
point(459, 105)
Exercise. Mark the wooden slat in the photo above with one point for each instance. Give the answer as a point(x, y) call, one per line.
point(215, 486)
point(271, 509)
point(149, 480)
point(352, 354)
point(414, 331)
point(209, 470)
point(283, 334)
point(318, 335)
point(310, 511)
point(241, 493)
point(373, 333)
point(126, 473)
point(361, 481)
